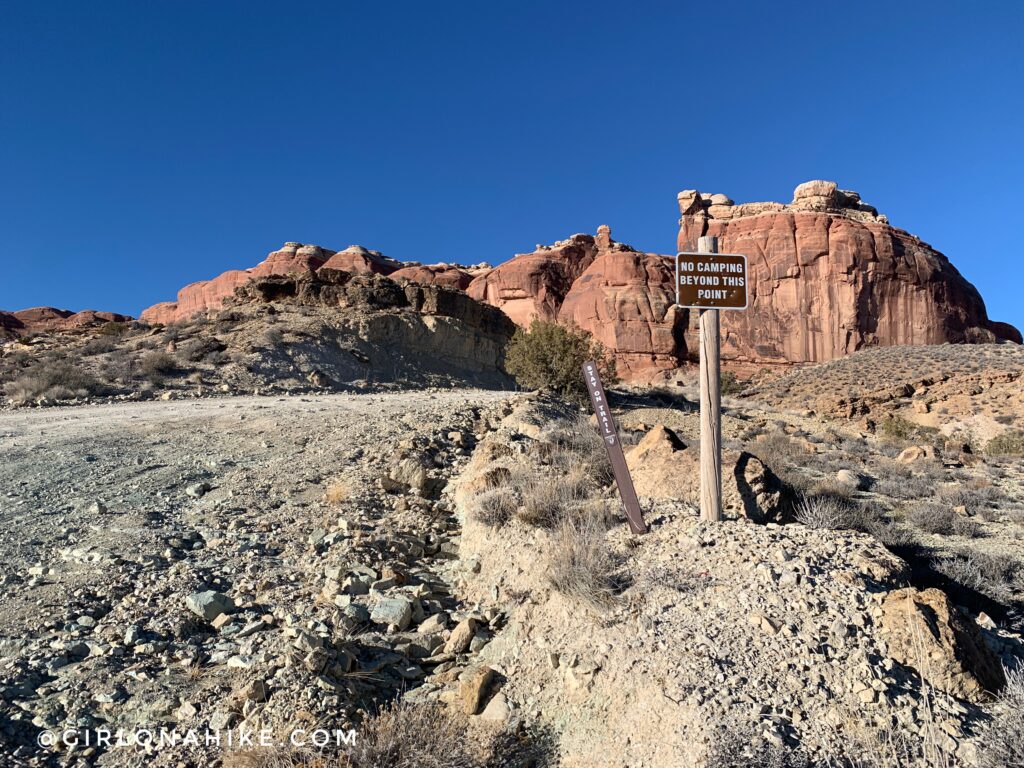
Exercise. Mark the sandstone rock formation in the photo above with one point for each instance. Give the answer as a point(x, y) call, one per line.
point(626, 300)
point(829, 275)
point(50, 319)
point(298, 259)
point(361, 260)
point(535, 284)
point(197, 298)
point(624, 297)
point(925, 632)
point(664, 467)
point(446, 275)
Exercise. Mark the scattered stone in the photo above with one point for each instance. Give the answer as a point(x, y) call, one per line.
point(461, 636)
point(473, 688)
point(926, 632)
point(209, 604)
point(394, 611)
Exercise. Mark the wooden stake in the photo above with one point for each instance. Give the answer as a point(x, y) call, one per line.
point(710, 406)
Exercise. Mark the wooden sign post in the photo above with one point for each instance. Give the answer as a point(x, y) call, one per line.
point(709, 281)
point(610, 435)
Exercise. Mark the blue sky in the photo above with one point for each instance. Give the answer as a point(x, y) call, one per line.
point(146, 145)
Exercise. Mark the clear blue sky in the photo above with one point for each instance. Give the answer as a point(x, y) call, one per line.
point(146, 145)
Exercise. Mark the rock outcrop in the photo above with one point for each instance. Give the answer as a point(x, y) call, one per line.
point(445, 275)
point(205, 295)
point(50, 319)
point(829, 275)
point(535, 284)
point(664, 467)
point(424, 328)
point(927, 633)
point(296, 259)
point(624, 297)
point(359, 260)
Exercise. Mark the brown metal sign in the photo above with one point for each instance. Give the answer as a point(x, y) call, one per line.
point(606, 425)
point(711, 280)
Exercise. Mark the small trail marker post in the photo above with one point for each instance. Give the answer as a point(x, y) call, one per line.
point(610, 435)
point(709, 281)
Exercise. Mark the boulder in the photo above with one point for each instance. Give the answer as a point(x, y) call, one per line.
point(664, 467)
point(393, 611)
point(915, 453)
point(473, 688)
point(209, 604)
point(461, 636)
point(926, 632)
point(817, 196)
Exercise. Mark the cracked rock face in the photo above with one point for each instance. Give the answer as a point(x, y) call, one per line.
point(829, 276)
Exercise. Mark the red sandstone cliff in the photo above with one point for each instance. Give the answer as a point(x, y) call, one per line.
point(296, 259)
point(49, 319)
point(828, 276)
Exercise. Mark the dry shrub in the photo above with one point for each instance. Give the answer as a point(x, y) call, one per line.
point(546, 498)
point(933, 518)
point(971, 501)
point(830, 511)
point(399, 736)
point(411, 736)
point(494, 507)
point(273, 337)
point(1003, 742)
point(337, 492)
point(55, 380)
point(202, 348)
point(577, 444)
point(278, 757)
point(113, 328)
point(862, 747)
point(1010, 443)
point(99, 345)
point(964, 526)
point(155, 364)
point(899, 481)
point(994, 576)
point(580, 563)
point(783, 456)
point(435, 736)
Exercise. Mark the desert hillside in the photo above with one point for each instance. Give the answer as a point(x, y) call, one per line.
point(332, 331)
point(413, 562)
point(829, 275)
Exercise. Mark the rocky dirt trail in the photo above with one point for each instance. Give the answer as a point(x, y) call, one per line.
point(263, 560)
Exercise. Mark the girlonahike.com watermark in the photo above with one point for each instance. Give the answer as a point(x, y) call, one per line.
point(170, 738)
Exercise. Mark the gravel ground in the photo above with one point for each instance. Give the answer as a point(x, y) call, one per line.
point(114, 514)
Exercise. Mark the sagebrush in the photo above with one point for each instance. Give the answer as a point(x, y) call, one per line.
point(550, 357)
